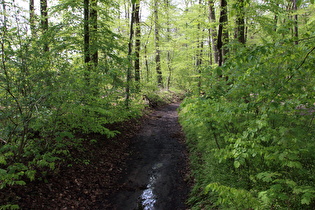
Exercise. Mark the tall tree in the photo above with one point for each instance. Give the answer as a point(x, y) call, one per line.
point(4, 30)
point(94, 35)
point(86, 50)
point(130, 46)
point(295, 27)
point(146, 60)
point(137, 42)
point(240, 22)
point(32, 16)
point(44, 23)
point(223, 34)
point(213, 31)
point(168, 39)
point(157, 44)
point(199, 52)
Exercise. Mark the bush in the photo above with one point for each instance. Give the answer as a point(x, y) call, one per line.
point(252, 135)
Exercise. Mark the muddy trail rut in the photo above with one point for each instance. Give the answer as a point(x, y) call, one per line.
point(155, 178)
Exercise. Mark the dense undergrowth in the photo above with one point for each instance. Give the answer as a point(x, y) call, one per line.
point(37, 141)
point(251, 133)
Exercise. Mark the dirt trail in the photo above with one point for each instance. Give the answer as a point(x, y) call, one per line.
point(155, 178)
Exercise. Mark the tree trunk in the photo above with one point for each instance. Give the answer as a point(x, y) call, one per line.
point(223, 34)
point(86, 46)
point(213, 32)
point(130, 46)
point(168, 35)
point(146, 63)
point(146, 55)
point(276, 21)
point(4, 30)
point(199, 53)
point(240, 23)
point(44, 23)
point(137, 44)
point(94, 36)
point(295, 28)
point(199, 62)
point(87, 57)
point(157, 45)
point(32, 17)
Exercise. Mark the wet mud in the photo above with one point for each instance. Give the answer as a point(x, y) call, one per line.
point(155, 176)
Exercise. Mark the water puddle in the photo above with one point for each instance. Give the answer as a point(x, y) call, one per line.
point(148, 198)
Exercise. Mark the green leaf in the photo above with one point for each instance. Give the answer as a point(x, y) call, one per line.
point(20, 182)
point(305, 201)
point(237, 164)
point(135, 1)
point(2, 160)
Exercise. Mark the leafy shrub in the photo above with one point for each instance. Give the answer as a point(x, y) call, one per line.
point(252, 135)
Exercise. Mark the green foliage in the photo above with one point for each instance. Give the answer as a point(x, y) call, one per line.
point(45, 99)
point(160, 97)
point(256, 124)
point(9, 206)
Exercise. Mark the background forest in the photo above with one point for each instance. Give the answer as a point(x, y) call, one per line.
point(246, 67)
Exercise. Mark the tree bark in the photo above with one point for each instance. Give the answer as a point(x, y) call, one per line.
point(44, 23)
point(94, 36)
point(86, 44)
point(223, 34)
point(32, 17)
point(213, 32)
point(295, 28)
point(87, 57)
point(240, 23)
point(157, 45)
point(137, 44)
point(130, 46)
point(199, 53)
point(168, 35)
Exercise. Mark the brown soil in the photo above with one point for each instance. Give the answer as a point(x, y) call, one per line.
point(119, 170)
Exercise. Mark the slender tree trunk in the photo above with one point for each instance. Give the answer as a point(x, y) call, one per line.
point(86, 46)
point(199, 52)
point(276, 20)
point(295, 28)
point(199, 62)
point(32, 16)
point(168, 31)
point(157, 45)
point(94, 35)
point(137, 44)
point(4, 30)
point(223, 34)
point(44, 23)
point(130, 46)
point(210, 55)
point(146, 55)
point(240, 23)
point(146, 63)
point(87, 57)
point(213, 32)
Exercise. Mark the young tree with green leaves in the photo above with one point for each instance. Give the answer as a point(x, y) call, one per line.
point(259, 122)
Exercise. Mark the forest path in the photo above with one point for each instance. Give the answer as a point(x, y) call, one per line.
point(155, 174)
